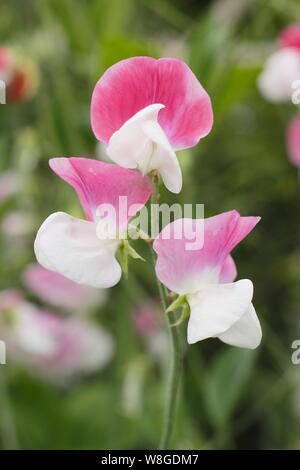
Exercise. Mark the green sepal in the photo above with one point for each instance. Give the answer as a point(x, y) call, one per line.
point(179, 302)
point(184, 314)
point(124, 251)
point(122, 255)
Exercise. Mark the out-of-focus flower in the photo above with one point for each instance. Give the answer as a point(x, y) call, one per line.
point(148, 325)
point(48, 345)
point(203, 276)
point(9, 185)
point(280, 71)
point(6, 65)
point(293, 141)
point(85, 251)
point(145, 109)
point(17, 223)
point(290, 36)
point(20, 76)
point(57, 290)
point(145, 320)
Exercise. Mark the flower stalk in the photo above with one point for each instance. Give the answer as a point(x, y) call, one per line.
point(176, 351)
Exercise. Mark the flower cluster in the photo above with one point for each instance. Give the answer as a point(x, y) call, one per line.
point(144, 110)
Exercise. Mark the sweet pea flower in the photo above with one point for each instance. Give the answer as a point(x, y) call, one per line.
point(218, 306)
point(293, 141)
point(280, 71)
point(84, 251)
point(144, 109)
point(58, 291)
point(51, 346)
point(149, 327)
point(282, 68)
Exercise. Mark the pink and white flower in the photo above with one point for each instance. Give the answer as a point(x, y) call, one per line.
point(85, 250)
point(293, 141)
point(219, 307)
point(282, 68)
point(144, 109)
point(51, 346)
point(55, 289)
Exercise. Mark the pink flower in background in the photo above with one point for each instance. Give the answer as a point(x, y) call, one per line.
point(145, 320)
point(145, 109)
point(6, 65)
point(81, 250)
point(219, 307)
point(293, 141)
point(10, 299)
point(281, 70)
point(20, 76)
point(149, 327)
point(57, 290)
point(290, 36)
point(49, 345)
point(9, 185)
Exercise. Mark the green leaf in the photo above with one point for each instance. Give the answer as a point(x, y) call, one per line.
point(225, 383)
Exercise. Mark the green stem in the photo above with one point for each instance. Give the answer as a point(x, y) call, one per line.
point(7, 425)
point(176, 354)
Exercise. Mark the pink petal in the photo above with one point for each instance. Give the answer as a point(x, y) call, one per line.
point(290, 36)
point(99, 183)
point(184, 270)
point(132, 84)
point(293, 141)
point(228, 272)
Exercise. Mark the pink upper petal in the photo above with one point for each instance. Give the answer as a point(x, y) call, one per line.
point(293, 140)
point(290, 36)
point(99, 183)
point(132, 84)
point(184, 270)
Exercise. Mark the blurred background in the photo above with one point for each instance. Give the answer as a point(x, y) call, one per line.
point(65, 391)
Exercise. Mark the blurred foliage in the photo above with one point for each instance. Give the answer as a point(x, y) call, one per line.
point(230, 398)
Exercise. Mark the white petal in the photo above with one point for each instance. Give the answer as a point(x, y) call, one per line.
point(246, 332)
point(70, 247)
point(216, 308)
point(141, 143)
